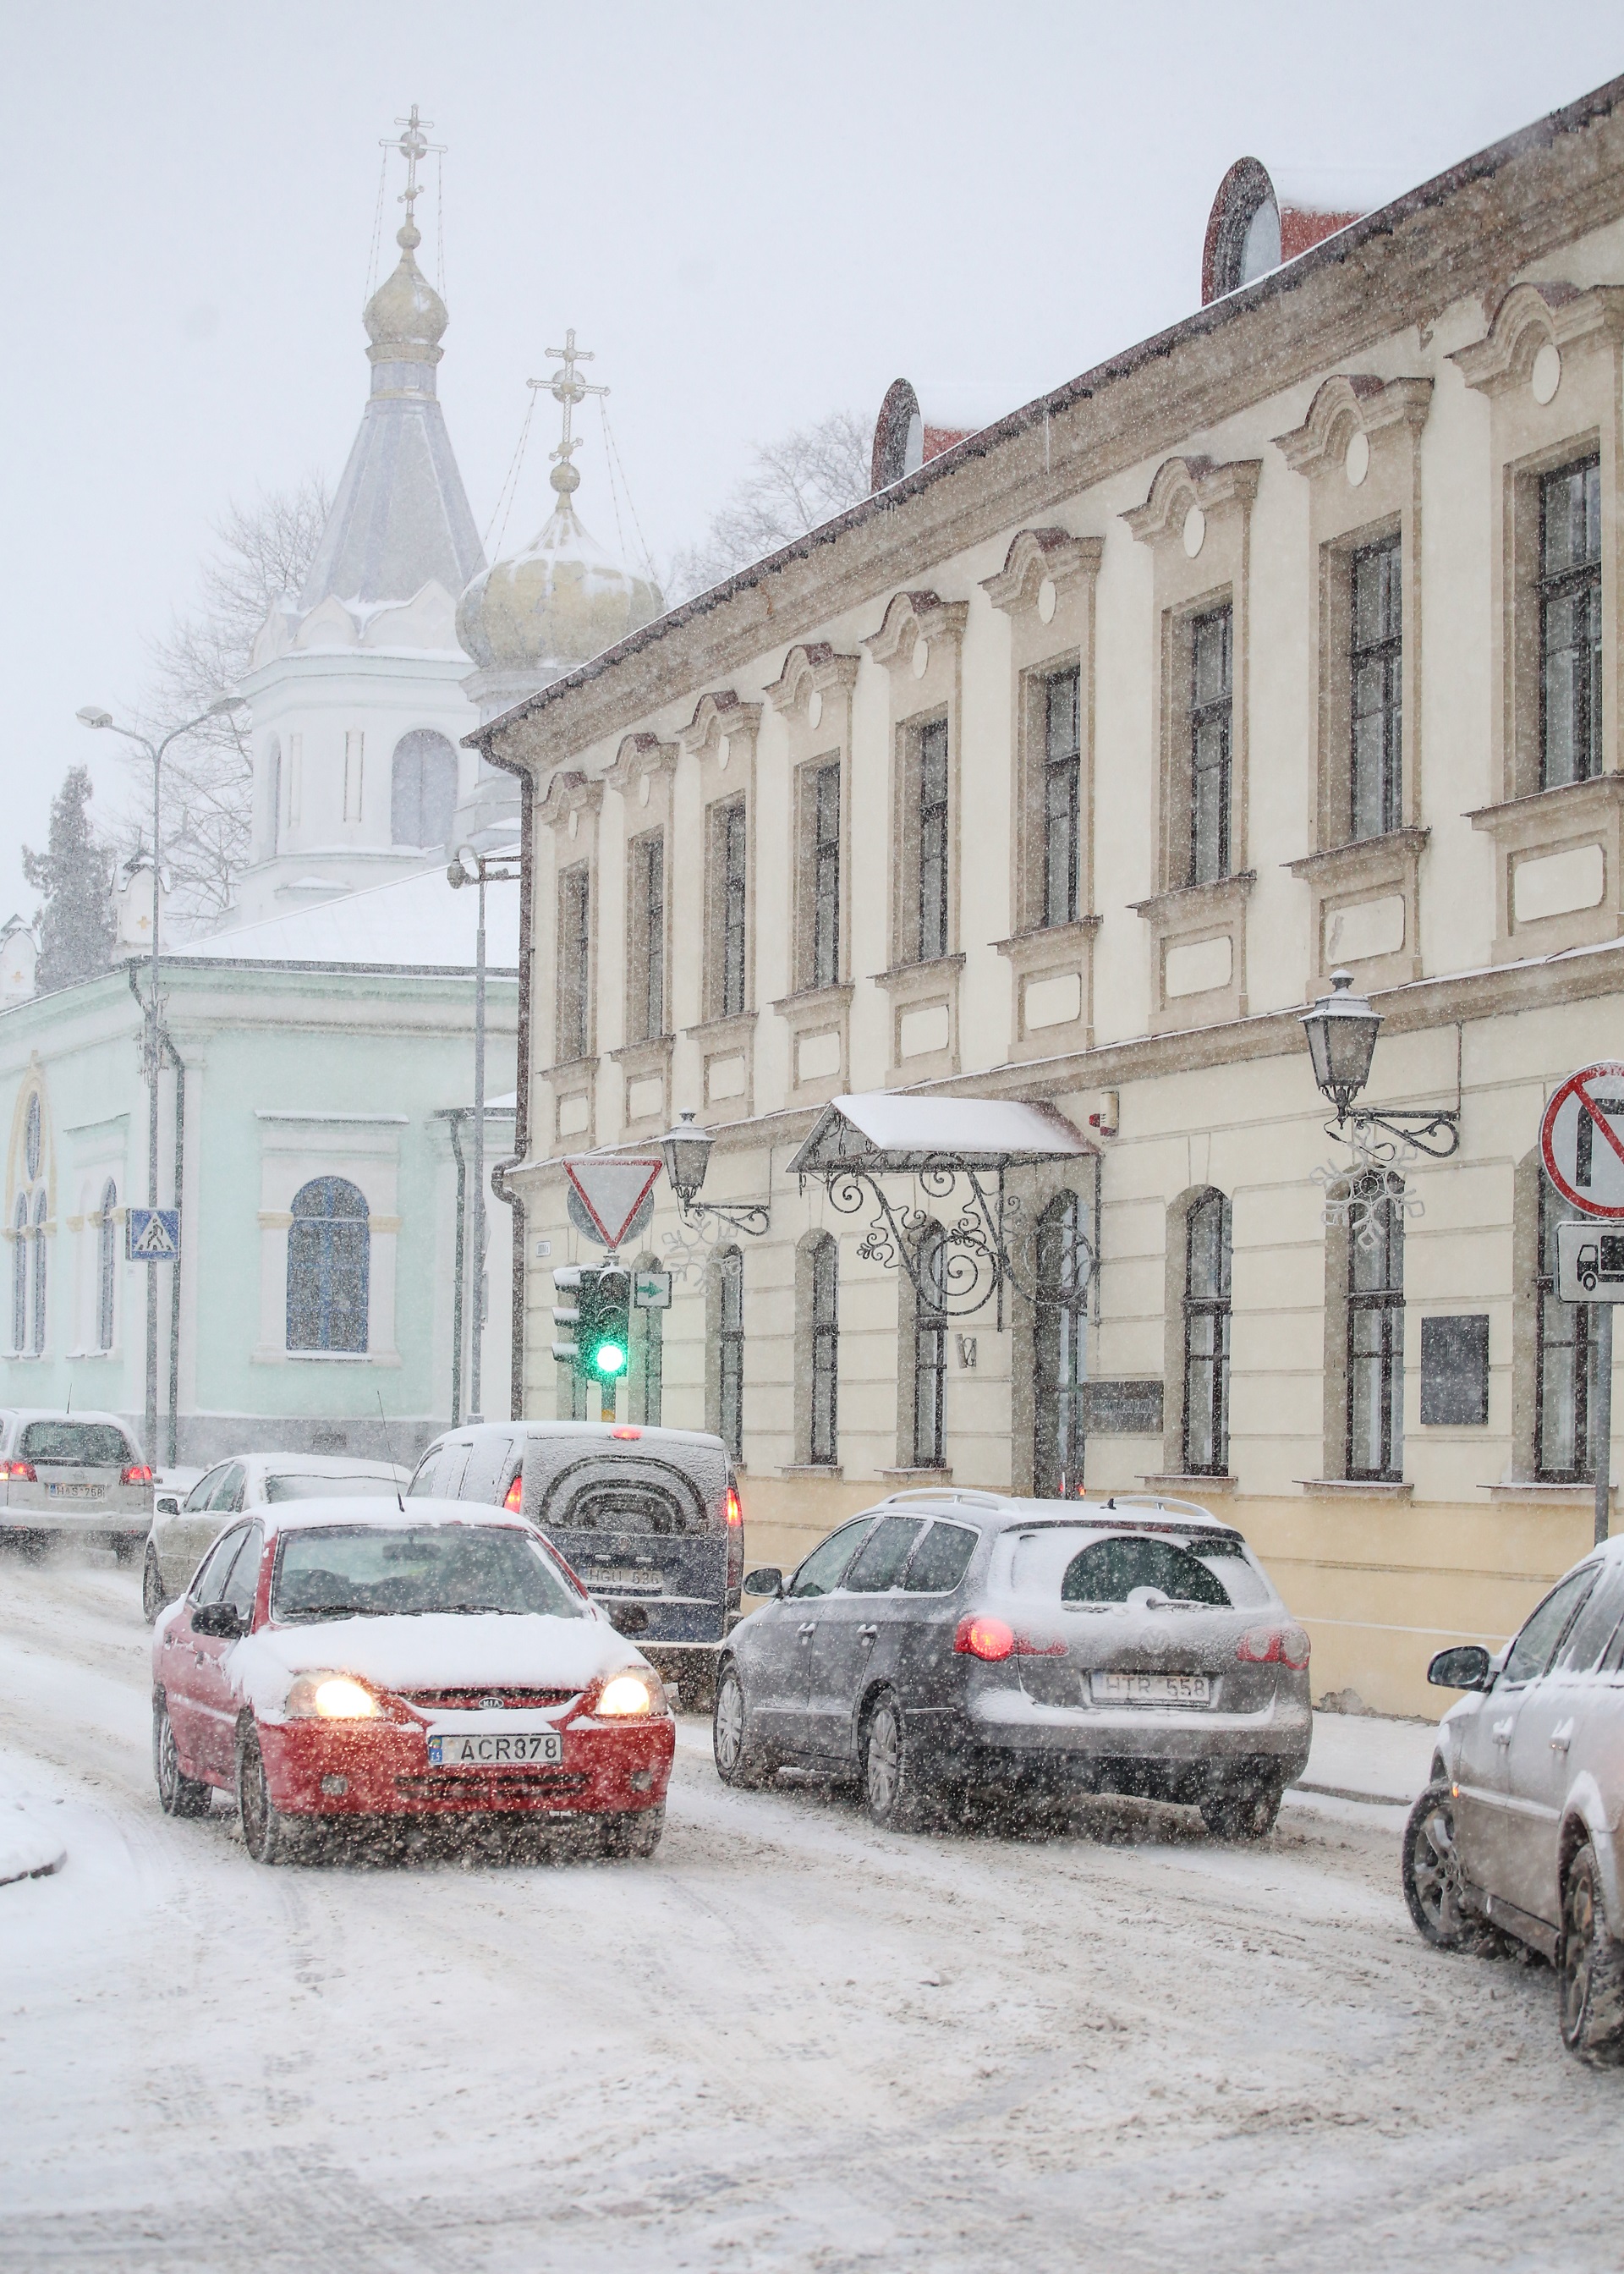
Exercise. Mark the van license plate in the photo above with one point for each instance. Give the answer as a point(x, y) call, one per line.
point(1151, 1689)
point(496, 1749)
point(602, 1575)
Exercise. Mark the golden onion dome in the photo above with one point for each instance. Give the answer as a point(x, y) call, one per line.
point(405, 317)
point(562, 601)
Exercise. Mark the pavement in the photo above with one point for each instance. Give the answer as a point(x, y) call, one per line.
point(29, 1848)
point(1369, 1758)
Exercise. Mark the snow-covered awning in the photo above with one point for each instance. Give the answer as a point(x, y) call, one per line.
point(887, 1133)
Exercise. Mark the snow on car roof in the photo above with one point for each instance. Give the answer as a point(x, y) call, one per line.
point(302, 1515)
point(1004, 1511)
point(60, 1414)
point(329, 1464)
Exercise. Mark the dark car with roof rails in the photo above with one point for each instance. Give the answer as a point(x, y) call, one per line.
point(648, 1519)
point(950, 1644)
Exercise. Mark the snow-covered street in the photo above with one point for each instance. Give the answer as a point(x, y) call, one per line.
point(789, 2042)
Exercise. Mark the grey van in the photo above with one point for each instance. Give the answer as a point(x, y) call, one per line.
point(648, 1519)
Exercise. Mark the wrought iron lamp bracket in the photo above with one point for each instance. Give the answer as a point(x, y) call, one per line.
point(751, 1217)
point(1433, 1130)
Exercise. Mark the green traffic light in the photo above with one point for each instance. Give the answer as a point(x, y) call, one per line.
point(609, 1358)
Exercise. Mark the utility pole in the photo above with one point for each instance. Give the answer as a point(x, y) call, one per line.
point(472, 867)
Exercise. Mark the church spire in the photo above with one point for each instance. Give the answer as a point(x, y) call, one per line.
point(568, 389)
point(400, 518)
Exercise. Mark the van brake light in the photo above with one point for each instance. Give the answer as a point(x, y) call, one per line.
point(513, 1499)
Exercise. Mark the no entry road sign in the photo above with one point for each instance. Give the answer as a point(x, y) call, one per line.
point(1582, 1139)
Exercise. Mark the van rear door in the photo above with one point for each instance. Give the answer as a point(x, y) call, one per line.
point(641, 1534)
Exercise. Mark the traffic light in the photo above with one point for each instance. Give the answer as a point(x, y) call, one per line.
point(566, 1283)
point(603, 1336)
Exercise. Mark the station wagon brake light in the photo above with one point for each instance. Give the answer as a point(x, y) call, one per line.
point(137, 1473)
point(976, 1636)
point(513, 1499)
point(18, 1472)
point(1274, 1646)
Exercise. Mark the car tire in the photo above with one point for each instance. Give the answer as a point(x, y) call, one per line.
point(739, 1761)
point(154, 1596)
point(636, 1833)
point(267, 1835)
point(898, 1795)
point(1242, 1811)
point(127, 1546)
point(178, 1795)
point(1430, 1870)
point(1590, 1966)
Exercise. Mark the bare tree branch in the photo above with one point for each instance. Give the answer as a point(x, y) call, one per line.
point(804, 478)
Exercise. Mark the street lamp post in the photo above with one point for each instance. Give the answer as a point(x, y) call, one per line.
point(471, 867)
point(90, 716)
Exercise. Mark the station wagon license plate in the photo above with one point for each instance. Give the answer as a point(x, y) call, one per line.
point(73, 1491)
point(496, 1749)
point(1151, 1689)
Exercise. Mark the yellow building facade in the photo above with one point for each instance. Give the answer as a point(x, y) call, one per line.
point(1068, 767)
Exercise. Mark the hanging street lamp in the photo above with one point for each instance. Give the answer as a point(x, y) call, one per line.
point(1341, 1031)
point(687, 1149)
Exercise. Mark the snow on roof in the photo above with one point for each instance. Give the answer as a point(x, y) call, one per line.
point(881, 1130)
point(417, 923)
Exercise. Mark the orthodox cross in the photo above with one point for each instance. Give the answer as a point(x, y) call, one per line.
point(567, 388)
point(414, 145)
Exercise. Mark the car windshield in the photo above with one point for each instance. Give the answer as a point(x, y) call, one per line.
point(374, 1571)
point(290, 1485)
point(87, 1444)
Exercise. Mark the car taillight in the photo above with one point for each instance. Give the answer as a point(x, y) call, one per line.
point(733, 1515)
point(1274, 1646)
point(981, 1636)
point(513, 1499)
point(18, 1472)
point(137, 1473)
point(625, 1430)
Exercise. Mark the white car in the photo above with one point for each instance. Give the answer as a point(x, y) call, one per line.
point(73, 1474)
point(185, 1528)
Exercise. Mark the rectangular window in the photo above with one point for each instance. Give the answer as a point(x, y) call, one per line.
point(1207, 1336)
point(930, 936)
point(825, 876)
point(574, 963)
point(731, 887)
point(1062, 798)
point(1566, 1378)
point(1376, 668)
point(729, 1350)
point(1376, 1334)
point(823, 1449)
point(930, 1353)
point(648, 940)
point(1570, 625)
point(1211, 726)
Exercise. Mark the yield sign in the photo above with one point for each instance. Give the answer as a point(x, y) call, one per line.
point(611, 1187)
point(1582, 1139)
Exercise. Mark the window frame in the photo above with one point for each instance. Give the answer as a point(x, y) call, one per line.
point(1218, 1309)
point(1212, 711)
point(1067, 770)
point(1553, 588)
point(729, 1269)
point(932, 914)
point(107, 1268)
point(574, 1038)
point(326, 1260)
point(729, 915)
point(929, 1353)
point(824, 804)
point(1060, 1351)
point(1385, 655)
point(21, 1253)
point(38, 1307)
point(646, 958)
point(824, 1412)
point(1387, 1304)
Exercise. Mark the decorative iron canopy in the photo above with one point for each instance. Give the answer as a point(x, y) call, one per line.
point(960, 1149)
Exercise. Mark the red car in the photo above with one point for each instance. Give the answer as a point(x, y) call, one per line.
point(336, 1660)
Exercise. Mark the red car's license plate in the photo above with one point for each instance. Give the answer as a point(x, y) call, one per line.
point(495, 1749)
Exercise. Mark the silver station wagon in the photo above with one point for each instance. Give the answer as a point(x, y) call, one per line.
point(76, 1475)
point(962, 1644)
point(1516, 1832)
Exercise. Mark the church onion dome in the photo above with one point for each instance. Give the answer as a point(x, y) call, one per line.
point(405, 319)
point(562, 601)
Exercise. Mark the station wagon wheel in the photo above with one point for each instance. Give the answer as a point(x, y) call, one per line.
point(266, 1832)
point(1243, 1811)
point(896, 1795)
point(152, 1596)
point(1430, 1865)
point(1589, 1968)
point(739, 1761)
point(178, 1795)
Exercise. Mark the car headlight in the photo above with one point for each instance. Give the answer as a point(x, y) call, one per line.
point(624, 1695)
point(332, 1698)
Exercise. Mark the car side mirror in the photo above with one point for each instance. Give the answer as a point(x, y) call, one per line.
point(1465, 1667)
point(166, 1504)
point(768, 1581)
point(221, 1621)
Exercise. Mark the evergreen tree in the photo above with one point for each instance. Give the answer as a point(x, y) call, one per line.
point(76, 878)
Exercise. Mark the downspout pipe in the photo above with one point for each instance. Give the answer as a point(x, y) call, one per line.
point(171, 1056)
point(452, 1120)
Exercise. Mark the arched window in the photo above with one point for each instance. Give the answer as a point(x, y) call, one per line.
point(647, 1357)
point(824, 1446)
point(36, 1340)
point(1207, 1336)
point(32, 1147)
point(1060, 1325)
point(273, 794)
point(106, 1260)
point(423, 789)
point(1376, 1334)
point(930, 1351)
point(728, 1287)
point(20, 1274)
point(327, 1258)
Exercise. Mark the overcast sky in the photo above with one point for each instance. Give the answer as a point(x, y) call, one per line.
point(753, 214)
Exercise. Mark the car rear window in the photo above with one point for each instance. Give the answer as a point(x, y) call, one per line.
point(87, 1444)
point(292, 1486)
point(634, 1505)
point(1106, 1569)
point(374, 1571)
point(940, 1560)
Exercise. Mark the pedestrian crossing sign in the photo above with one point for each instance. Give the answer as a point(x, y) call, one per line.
point(153, 1235)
